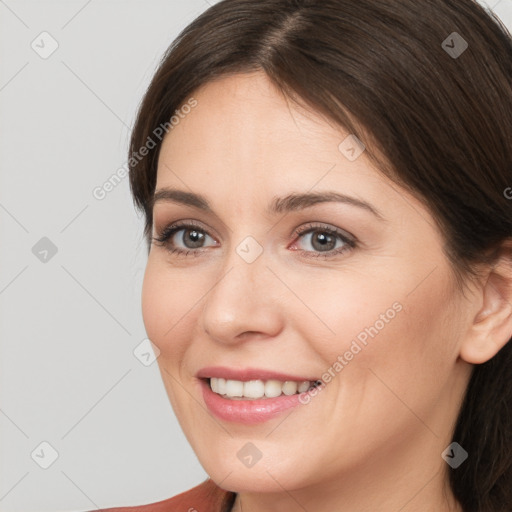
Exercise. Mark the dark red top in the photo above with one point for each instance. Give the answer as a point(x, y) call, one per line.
point(206, 497)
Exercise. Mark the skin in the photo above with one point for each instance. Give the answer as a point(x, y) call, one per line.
point(372, 439)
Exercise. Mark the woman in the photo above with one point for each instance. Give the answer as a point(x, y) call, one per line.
point(327, 193)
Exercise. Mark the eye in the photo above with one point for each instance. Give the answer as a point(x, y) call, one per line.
point(325, 241)
point(192, 238)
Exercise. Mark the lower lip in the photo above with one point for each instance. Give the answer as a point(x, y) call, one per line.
point(247, 411)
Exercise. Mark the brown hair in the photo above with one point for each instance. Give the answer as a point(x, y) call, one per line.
point(435, 116)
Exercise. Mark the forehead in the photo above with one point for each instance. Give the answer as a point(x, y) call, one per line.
point(243, 123)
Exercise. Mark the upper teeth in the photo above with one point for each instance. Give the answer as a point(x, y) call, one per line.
point(257, 388)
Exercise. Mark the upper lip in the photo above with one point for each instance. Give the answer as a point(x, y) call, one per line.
point(245, 374)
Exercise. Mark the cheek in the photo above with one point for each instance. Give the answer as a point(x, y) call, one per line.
point(410, 357)
point(344, 308)
point(381, 322)
point(167, 305)
point(153, 304)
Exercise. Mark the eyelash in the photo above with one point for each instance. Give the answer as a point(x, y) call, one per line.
point(163, 239)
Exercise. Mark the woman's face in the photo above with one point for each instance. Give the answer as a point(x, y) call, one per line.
point(275, 289)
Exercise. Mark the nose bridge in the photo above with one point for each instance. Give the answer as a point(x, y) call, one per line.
point(244, 266)
point(239, 300)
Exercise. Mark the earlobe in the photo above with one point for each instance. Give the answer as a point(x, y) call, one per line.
point(491, 329)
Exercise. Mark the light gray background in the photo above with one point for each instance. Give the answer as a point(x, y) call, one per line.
point(69, 326)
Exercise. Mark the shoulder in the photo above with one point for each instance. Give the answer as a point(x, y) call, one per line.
point(206, 497)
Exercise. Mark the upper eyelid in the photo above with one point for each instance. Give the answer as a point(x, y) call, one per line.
point(299, 231)
point(181, 224)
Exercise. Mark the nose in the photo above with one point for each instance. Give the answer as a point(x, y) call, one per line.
point(243, 303)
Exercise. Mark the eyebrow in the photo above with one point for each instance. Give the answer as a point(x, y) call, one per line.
point(291, 202)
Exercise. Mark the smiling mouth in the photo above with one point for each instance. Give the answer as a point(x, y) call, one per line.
point(258, 389)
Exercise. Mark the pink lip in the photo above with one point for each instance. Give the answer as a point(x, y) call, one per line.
point(247, 411)
point(247, 374)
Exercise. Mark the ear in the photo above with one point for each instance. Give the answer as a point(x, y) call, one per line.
point(492, 325)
